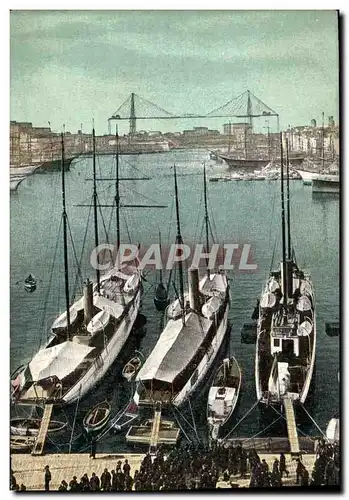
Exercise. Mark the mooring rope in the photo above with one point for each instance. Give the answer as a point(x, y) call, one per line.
point(283, 416)
point(189, 424)
point(239, 422)
point(260, 432)
point(194, 424)
point(311, 418)
point(178, 422)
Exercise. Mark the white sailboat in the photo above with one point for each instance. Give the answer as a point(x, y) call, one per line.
point(286, 329)
point(195, 330)
point(88, 337)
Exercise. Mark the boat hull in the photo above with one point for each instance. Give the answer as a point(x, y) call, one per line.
point(202, 369)
point(102, 364)
point(20, 430)
point(224, 420)
point(247, 164)
point(326, 186)
point(302, 395)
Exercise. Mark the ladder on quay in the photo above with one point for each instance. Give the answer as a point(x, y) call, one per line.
point(154, 437)
point(45, 422)
point(291, 426)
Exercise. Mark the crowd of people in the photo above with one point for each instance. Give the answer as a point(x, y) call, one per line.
point(326, 469)
point(203, 468)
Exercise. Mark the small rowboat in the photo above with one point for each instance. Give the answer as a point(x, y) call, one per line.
point(97, 417)
point(161, 299)
point(223, 395)
point(31, 426)
point(126, 416)
point(22, 443)
point(131, 368)
point(332, 430)
point(30, 283)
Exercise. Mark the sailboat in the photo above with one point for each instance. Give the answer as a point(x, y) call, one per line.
point(327, 180)
point(161, 299)
point(197, 323)
point(89, 336)
point(286, 329)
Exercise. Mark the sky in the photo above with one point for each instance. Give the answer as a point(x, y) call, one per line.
point(67, 67)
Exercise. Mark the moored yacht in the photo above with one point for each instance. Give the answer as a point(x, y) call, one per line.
point(197, 322)
point(88, 337)
point(286, 330)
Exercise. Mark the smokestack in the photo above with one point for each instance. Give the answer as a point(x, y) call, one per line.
point(88, 301)
point(194, 294)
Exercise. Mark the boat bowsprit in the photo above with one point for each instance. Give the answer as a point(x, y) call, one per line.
point(97, 417)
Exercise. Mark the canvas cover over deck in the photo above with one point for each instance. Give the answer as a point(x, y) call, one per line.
point(59, 360)
point(175, 348)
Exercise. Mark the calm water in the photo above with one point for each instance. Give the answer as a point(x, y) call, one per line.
point(244, 212)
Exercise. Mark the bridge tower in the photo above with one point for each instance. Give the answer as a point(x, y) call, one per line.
point(132, 116)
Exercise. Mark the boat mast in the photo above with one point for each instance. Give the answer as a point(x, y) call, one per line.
point(117, 192)
point(323, 141)
point(206, 219)
point(179, 241)
point(65, 243)
point(95, 199)
point(284, 267)
point(160, 273)
point(288, 202)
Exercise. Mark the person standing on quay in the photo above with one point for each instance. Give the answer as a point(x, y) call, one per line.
point(93, 448)
point(47, 478)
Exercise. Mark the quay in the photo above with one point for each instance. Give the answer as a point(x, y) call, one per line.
point(29, 469)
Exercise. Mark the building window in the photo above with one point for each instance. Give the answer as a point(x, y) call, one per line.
point(276, 342)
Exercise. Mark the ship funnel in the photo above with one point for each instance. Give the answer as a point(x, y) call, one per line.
point(194, 294)
point(88, 301)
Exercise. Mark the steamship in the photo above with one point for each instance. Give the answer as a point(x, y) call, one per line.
point(88, 337)
point(286, 330)
point(197, 322)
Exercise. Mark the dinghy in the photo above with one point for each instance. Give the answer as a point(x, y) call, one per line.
point(97, 417)
point(131, 368)
point(161, 299)
point(30, 283)
point(332, 430)
point(125, 418)
point(22, 444)
point(223, 395)
point(31, 426)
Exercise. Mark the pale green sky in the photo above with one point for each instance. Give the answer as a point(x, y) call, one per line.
point(70, 66)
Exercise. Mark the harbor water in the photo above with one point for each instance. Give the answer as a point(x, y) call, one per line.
point(244, 212)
